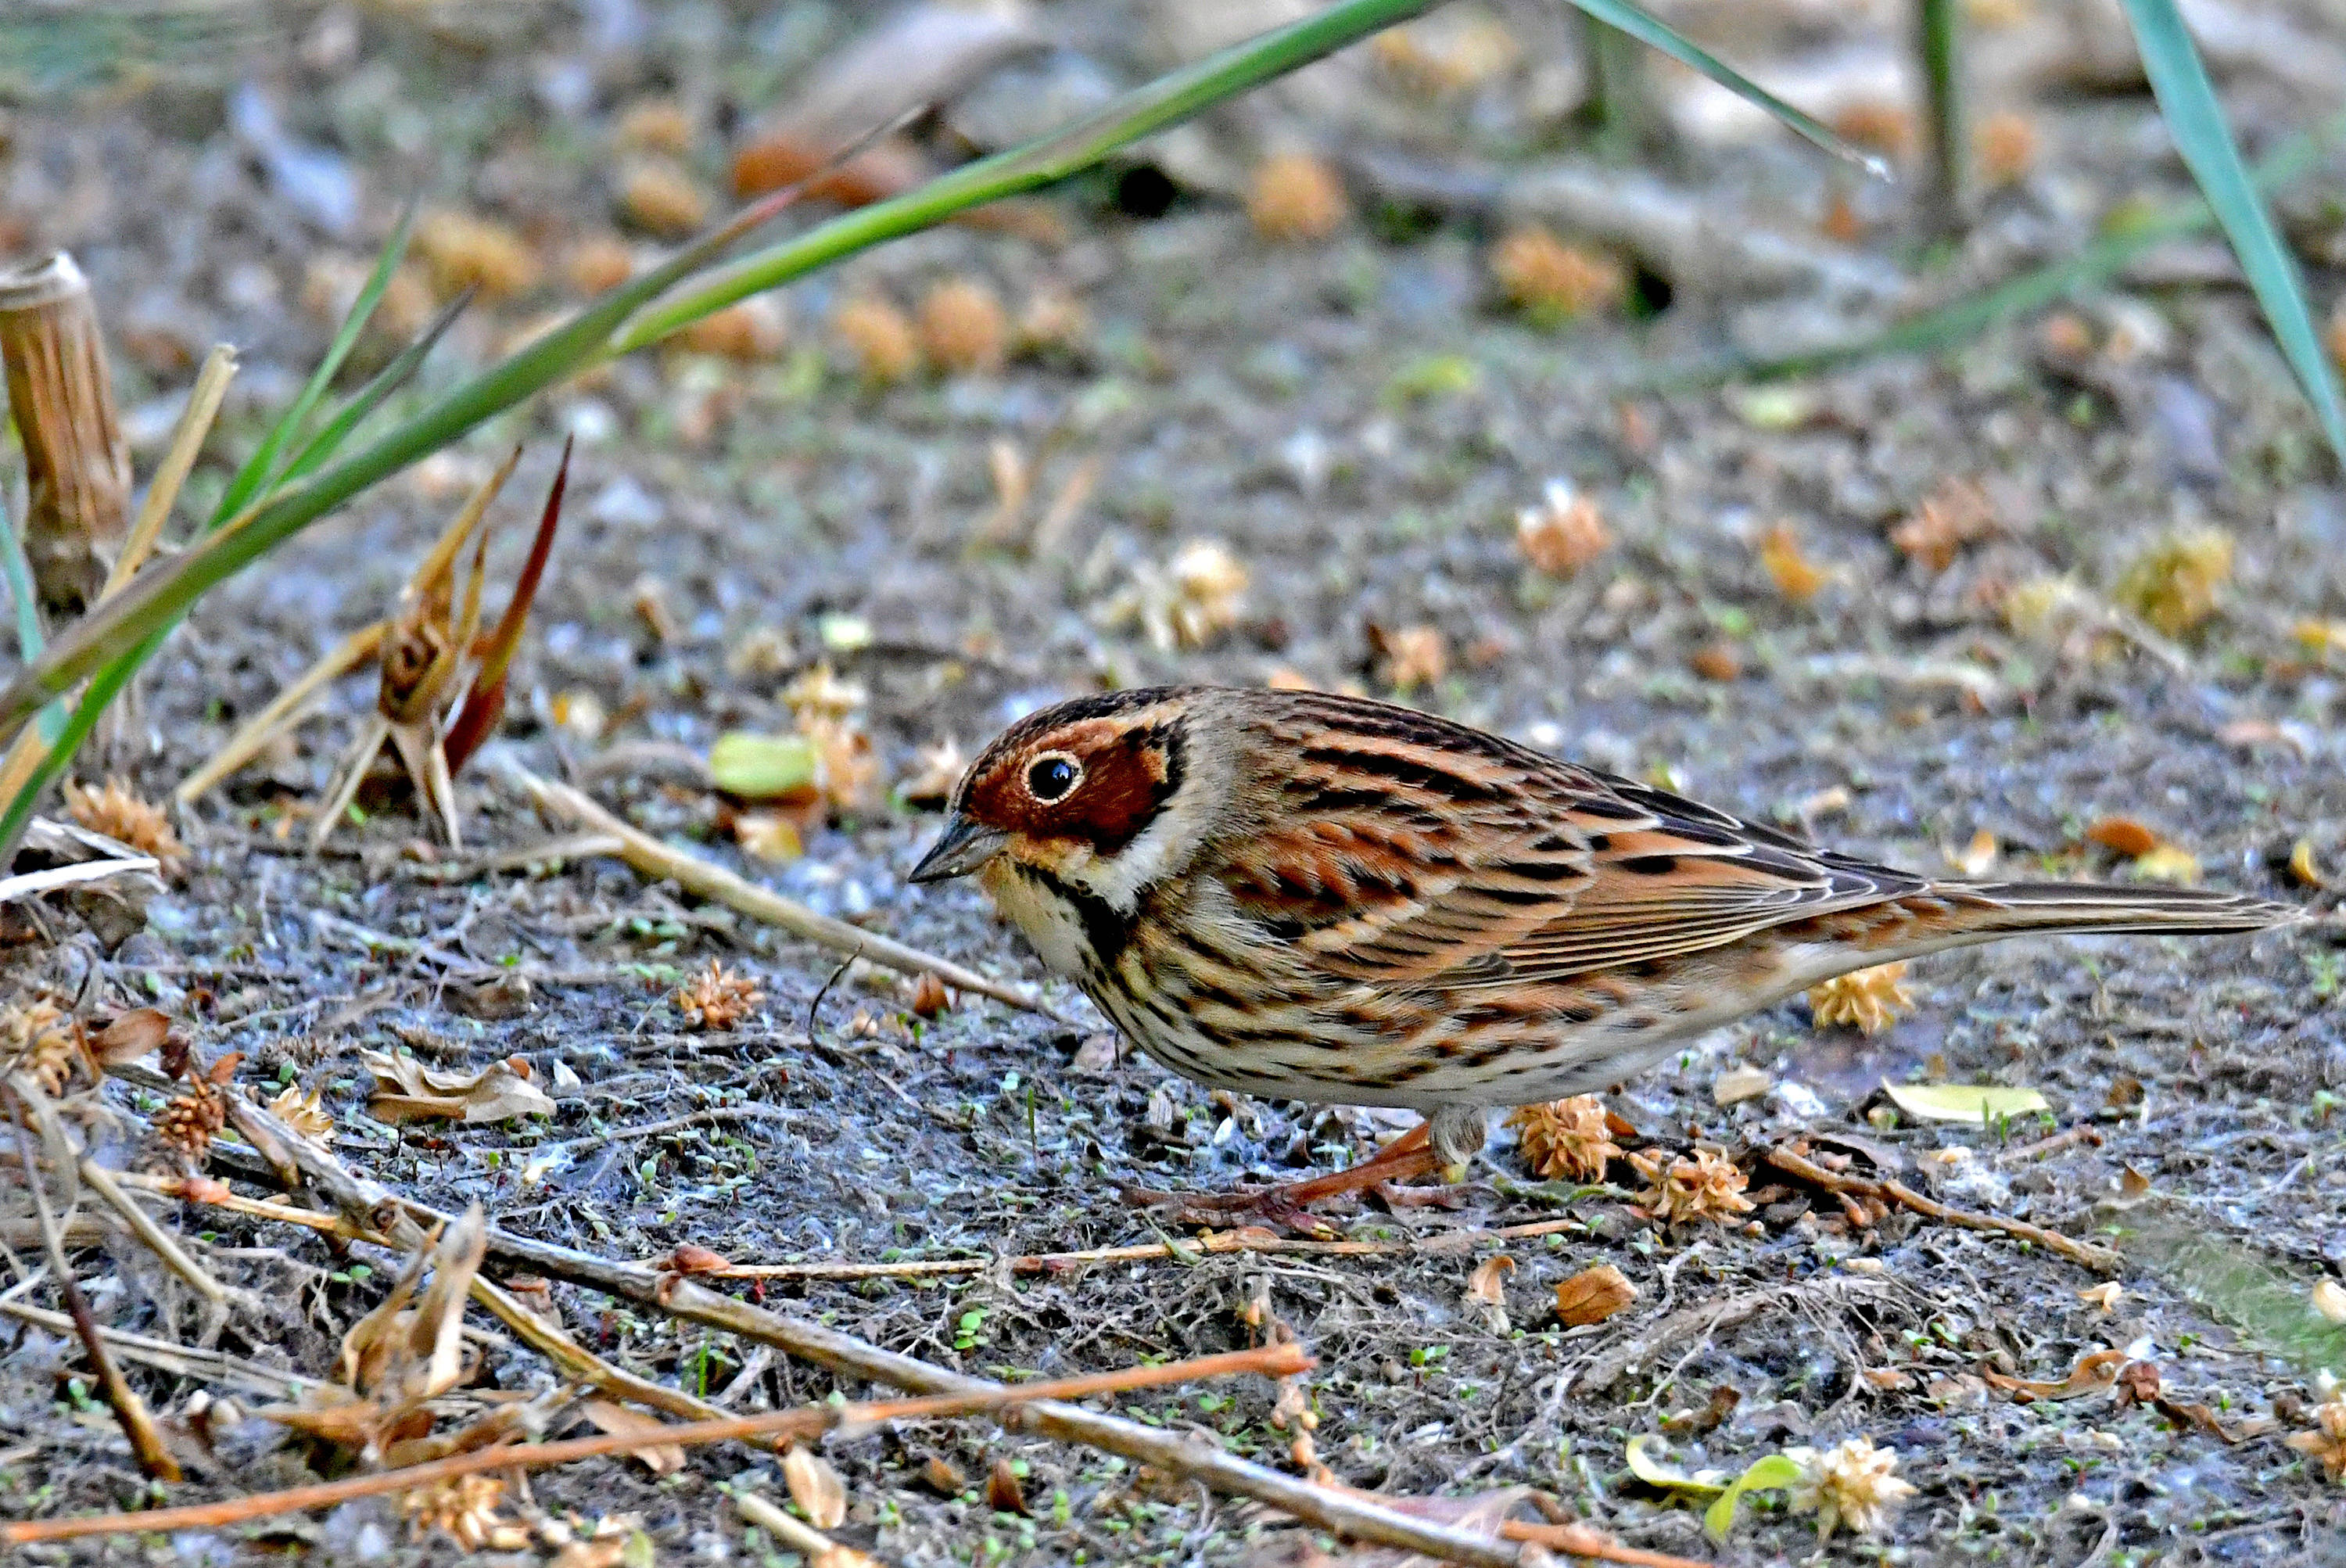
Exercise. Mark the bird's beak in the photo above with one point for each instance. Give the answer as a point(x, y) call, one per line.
point(966, 846)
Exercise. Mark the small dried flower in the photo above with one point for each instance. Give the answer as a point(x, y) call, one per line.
point(1886, 127)
point(304, 1112)
point(1851, 1483)
point(715, 1000)
point(1563, 533)
point(1295, 195)
point(1053, 318)
point(1554, 281)
point(2005, 147)
point(2326, 1443)
point(754, 329)
point(598, 263)
point(1866, 1000)
point(846, 767)
point(1187, 602)
point(1593, 1295)
point(2174, 584)
point(768, 836)
point(1564, 1140)
point(115, 811)
point(1796, 577)
point(1448, 52)
point(761, 651)
point(659, 196)
point(37, 1037)
point(1717, 661)
point(189, 1122)
point(935, 771)
point(1706, 1187)
point(881, 338)
point(962, 326)
point(467, 1508)
point(657, 124)
point(463, 251)
point(1955, 515)
point(1413, 656)
point(820, 694)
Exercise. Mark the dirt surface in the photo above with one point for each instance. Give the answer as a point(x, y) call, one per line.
point(1357, 420)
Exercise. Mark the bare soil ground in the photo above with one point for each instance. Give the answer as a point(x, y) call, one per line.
point(1358, 422)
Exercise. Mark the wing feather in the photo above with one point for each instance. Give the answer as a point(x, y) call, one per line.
point(1398, 855)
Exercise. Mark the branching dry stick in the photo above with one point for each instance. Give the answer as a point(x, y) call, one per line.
point(654, 858)
point(808, 1421)
point(137, 1426)
point(379, 1210)
point(2100, 1260)
point(1246, 1239)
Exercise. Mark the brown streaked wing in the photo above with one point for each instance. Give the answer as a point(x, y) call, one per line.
point(1398, 856)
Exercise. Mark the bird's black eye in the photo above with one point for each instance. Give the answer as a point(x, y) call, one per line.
point(1052, 777)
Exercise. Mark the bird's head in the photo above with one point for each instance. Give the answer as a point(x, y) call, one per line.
point(1093, 793)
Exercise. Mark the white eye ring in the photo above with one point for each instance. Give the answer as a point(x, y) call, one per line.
point(1036, 771)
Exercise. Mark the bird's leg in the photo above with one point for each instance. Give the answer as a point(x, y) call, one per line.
point(1441, 1144)
point(1456, 1133)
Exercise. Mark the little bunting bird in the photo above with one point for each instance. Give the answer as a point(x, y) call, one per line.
point(1325, 898)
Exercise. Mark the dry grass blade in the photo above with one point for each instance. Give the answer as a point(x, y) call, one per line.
point(283, 711)
point(179, 460)
point(654, 858)
point(1272, 1361)
point(31, 884)
point(26, 1104)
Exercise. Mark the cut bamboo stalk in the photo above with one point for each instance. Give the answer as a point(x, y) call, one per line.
point(76, 459)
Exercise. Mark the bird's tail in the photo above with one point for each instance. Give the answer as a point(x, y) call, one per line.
point(1990, 909)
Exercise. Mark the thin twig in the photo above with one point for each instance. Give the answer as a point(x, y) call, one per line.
point(137, 1426)
point(1585, 1541)
point(808, 1421)
point(180, 1361)
point(792, 1533)
point(695, 875)
point(2101, 1260)
point(1247, 1239)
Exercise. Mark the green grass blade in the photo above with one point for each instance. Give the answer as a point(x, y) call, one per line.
point(19, 573)
point(1654, 34)
point(71, 733)
point(260, 472)
point(2196, 120)
point(385, 381)
point(1963, 321)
